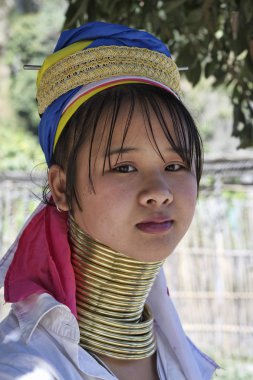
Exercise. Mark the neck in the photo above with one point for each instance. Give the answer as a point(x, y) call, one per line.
point(111, 290)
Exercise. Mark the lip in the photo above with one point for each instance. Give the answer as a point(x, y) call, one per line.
point(156, 225)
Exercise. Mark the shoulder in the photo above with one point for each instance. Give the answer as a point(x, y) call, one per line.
point(19, 358)
point(174, 359)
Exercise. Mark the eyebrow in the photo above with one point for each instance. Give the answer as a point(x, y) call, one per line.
point(122, 150)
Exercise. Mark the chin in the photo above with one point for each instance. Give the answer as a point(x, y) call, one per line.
point(151, 256)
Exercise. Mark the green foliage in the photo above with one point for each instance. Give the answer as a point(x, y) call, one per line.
point(214, 37)
point(19, 148)
point(31, 38)
point(212, 112)
point(31, 31)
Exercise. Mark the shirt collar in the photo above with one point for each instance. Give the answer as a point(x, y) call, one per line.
point(34, 308)
point(62, 323)
point(195, 365)
point(59, 321)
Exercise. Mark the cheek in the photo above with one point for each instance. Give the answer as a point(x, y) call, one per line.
point(109, 199)
point(187, 192)
point(191, 192)
point(103, 214)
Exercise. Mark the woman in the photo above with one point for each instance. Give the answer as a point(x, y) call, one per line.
point(85, 275)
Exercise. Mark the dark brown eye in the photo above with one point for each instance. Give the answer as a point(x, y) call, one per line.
point(124, 169)
point(175, 167)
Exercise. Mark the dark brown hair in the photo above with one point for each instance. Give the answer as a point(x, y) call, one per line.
point(87, 119)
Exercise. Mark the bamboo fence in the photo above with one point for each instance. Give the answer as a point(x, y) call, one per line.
point(210, 274)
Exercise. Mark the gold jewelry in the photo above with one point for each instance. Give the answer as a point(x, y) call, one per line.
point(111, 290)
point(102, 62)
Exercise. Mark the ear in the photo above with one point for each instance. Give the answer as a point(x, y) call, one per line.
point(57, 184)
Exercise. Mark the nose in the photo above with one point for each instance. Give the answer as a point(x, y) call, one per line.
point(156, 195)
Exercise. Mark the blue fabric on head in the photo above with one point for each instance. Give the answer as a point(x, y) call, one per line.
point(49, 122)
point(102, 34)
point(105, 34)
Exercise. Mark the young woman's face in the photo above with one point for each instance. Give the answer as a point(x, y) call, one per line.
point(143, 204)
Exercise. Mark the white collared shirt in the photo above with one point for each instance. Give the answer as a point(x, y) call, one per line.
point(40, 340)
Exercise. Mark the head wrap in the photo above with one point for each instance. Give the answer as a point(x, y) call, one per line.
point(91, 58)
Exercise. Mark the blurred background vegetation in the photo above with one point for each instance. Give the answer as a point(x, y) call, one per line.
point(213, 38)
